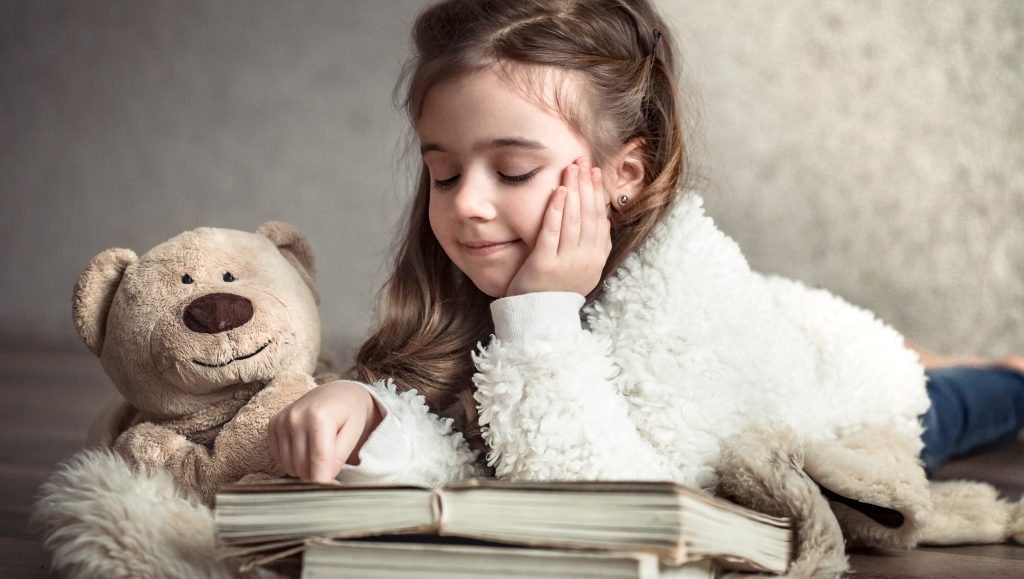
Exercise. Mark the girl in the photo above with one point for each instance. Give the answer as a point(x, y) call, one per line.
point(553, 179)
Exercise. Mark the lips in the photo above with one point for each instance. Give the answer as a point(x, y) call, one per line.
point(483, 248)
point(245, 357)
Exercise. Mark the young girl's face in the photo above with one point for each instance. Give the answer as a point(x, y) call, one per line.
point(495, 157)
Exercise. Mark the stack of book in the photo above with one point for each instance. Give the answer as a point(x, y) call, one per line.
point(490, 528)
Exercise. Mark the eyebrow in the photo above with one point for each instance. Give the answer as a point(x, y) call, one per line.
point(513, 142)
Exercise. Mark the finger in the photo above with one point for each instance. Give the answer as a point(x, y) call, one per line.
point(299, 458)
point(588, 224)
point(600, 196)
point(346, 441)
point(570, 236)
point(323, 466)
point(284, 454)
point(604, 197)
point(272, 440)
point(551, 228)
point(601, 207)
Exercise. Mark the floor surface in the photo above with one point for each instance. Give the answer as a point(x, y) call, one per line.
point(49, 398)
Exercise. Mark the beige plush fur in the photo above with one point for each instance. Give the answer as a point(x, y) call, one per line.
point(876, 466)
point(965, 512)
point(878, 495)
point(763, 469)
point(1016, 528)
point(204, 361)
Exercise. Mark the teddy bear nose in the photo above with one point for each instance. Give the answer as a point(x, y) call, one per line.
point(216, 313)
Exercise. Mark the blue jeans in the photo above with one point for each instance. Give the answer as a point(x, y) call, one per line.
point(972, 409)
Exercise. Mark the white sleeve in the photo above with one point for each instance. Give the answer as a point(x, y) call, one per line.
point(411, 445)
point(548, 407)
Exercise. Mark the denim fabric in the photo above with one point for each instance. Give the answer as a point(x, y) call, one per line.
point(972, 409)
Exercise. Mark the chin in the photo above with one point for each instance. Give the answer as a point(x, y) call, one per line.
point(493, 292)
point(491, 288)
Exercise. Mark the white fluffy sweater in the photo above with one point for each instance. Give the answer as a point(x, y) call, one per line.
point(686, 347)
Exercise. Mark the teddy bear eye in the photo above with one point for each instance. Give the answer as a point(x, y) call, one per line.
point(229, 277)
point(186, 278)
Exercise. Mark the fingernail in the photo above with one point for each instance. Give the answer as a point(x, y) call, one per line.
point(585, 162)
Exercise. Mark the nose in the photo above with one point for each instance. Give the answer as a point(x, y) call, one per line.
point(216, 313)
point(473, 199)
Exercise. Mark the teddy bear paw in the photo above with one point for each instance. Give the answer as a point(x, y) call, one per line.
point(147, 444)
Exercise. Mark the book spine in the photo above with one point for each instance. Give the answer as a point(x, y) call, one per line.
point(437, 497)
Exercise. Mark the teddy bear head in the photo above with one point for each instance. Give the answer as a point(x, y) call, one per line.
point(208, 315)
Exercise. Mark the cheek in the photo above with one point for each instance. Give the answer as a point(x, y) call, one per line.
point(530, 215)
point(435, 216)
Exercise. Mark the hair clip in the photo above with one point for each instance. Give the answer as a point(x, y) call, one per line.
point(654, 51)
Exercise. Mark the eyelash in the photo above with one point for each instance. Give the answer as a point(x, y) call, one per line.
point(509, 179)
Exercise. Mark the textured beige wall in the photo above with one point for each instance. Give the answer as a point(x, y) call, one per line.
point(873, 148)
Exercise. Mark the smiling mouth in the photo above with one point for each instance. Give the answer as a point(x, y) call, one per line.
point(245, 357)
point(488, 249)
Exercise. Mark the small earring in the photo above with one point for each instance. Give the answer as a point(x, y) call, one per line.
point(623, 199)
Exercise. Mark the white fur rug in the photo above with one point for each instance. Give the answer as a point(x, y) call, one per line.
point(89, 516)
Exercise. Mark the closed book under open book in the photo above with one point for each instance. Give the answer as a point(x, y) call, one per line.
point(328, 558)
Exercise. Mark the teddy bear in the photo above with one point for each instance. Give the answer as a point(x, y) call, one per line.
point(206, 337)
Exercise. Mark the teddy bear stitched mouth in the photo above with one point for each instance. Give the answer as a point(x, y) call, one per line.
point(245, 357)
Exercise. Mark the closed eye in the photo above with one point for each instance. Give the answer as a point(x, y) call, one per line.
point(510, 179)
point(514, 179)
point(446, 183)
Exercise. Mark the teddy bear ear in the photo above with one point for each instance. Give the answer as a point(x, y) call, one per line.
point(295, 248)
point(94, 292)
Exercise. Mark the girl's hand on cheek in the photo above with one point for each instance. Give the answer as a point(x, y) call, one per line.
point(574, 241)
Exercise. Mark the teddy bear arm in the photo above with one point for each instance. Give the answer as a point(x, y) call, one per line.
point(192, 465)
point(150, 445)
point(239, 449)
point(242, 447)
point(206, 470)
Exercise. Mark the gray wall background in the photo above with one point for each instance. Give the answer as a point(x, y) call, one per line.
point(873, 148)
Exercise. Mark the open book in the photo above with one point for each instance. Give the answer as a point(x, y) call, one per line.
point(364, 560)
point(676, 523)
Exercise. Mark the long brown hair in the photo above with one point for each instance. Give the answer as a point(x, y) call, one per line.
point(431, 315)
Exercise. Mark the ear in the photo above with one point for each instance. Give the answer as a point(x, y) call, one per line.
point(295, 248)
point(626, 173)
point(94, 292)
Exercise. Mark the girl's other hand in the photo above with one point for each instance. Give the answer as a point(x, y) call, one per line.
point(317, 434)
point(574, 241)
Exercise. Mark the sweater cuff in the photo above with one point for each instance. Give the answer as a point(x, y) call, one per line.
point(529, 316)
point(387, 450)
